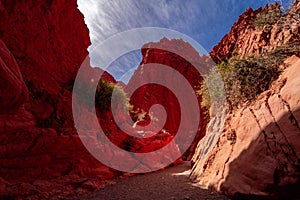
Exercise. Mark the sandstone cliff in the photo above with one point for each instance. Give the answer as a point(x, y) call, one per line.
point(257, 154)
point(258, 150)
point(254, 37)
point(41, 153)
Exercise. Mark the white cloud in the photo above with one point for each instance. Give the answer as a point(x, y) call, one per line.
point(105, 18)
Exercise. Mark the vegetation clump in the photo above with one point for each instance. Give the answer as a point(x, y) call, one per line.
point(103, 96)
point(244, 78)
point(105, 91)
point(284, 13)
point(268, 17)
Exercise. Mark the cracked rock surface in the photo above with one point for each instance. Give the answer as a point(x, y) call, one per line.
point(259, 148)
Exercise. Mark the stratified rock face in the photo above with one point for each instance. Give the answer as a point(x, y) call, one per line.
point(163, 54)
point(245, 39)
point(259, 149)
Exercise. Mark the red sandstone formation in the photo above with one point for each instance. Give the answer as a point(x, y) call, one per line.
point(245, 39)
point(41, 153)
point(258, 151)
point(40, 56)
point(42, 46)
point(163, 53)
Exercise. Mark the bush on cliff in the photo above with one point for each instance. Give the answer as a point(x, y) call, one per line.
point(280, 12)
point(245, 78)
point(210, 89)
point(103, 95)
point(268, 17)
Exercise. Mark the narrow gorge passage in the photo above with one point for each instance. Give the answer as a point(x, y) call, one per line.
point(172, 183)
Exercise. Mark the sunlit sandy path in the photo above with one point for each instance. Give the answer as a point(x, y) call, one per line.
point(172, 183)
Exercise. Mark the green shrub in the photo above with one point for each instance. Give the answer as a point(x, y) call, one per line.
point(284, 51)
point(244, 79)
point(248, 78)
point(267, 17)
point(103, 95)
point(211, 89)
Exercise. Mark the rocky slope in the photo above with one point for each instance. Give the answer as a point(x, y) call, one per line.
point(257, 154)
point(248, 37)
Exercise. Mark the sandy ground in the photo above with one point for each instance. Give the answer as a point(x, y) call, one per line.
point(172, 183)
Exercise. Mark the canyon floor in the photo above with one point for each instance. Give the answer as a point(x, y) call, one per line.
point(172, 183)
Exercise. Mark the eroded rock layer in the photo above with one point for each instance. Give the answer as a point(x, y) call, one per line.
point(246, 38)
point(257, 154)
point(258, 150)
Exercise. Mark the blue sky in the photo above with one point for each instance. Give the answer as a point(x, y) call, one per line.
point(206, 21)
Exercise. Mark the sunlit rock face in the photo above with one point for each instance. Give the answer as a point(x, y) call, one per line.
point(244, 39)
point(257, 154)
point(258, 150)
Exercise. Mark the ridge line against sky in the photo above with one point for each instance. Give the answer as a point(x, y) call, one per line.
point(206, 21)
